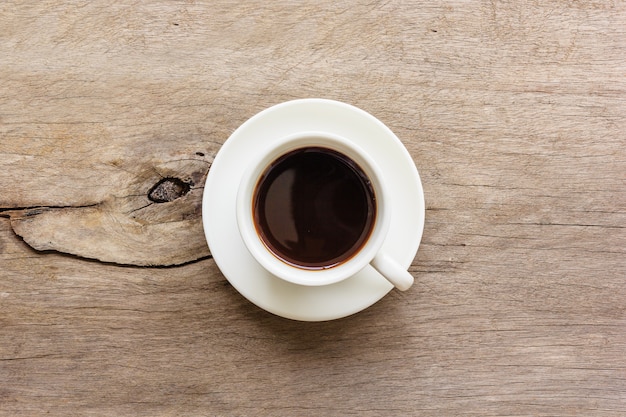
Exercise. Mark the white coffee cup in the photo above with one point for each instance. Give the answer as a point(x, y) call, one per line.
point(369, 252)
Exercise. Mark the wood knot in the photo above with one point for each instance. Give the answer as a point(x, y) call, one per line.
point(168, 189)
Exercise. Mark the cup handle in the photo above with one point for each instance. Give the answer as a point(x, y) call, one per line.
point(394, 273)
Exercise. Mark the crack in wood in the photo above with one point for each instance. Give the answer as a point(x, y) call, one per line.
point(26, 211)
point(108, 233)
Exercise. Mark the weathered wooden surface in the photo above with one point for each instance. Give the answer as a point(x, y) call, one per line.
point(514, 113)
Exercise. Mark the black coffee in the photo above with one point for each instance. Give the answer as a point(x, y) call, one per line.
point(314, 208)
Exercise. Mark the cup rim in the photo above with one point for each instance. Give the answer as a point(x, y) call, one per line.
point(292, 273)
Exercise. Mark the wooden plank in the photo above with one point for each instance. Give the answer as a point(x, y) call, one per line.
point(514, 113)
point(84, 337)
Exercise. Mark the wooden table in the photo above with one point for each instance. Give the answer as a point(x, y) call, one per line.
point(111, 113)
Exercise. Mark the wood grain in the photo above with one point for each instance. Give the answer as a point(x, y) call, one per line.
point(514, 113)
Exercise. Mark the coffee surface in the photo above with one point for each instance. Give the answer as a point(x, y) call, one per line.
point(314, 208)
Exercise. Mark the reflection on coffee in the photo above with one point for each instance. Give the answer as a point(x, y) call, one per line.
point(314, 208)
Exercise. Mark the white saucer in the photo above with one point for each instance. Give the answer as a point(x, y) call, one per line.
point(220, 225)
